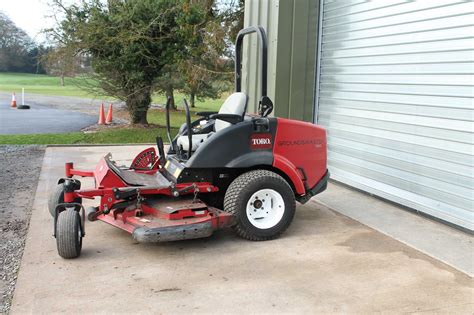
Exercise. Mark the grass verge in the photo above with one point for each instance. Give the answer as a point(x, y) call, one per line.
point(112, 136)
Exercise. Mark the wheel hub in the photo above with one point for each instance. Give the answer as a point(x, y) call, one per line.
point(265, 208)
point(257, 204)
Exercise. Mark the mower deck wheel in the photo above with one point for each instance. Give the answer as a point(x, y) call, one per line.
point(69, 234)
point(57, 197)
point(262, 203)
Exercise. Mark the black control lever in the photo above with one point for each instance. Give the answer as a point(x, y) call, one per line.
point(161, 151)
point(189, 127)
point(168, 124)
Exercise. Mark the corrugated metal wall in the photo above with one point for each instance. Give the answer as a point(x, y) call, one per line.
point(291, 27)
point(396, 96)
point(264, 13)
point(297, 28)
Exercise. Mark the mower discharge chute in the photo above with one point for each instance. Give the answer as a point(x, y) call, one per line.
point(226, 169)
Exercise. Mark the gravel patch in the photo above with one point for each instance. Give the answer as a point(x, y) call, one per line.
point(21, 167)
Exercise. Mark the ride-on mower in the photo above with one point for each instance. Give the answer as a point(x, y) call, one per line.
point(226, 169)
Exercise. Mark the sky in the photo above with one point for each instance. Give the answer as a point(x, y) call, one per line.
point(29, 15)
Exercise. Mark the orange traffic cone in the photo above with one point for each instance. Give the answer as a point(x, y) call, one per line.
point(108, 119)
point(13, 104)
point(101, 115)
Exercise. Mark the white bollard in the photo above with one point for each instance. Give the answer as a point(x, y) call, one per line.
point(22, 96)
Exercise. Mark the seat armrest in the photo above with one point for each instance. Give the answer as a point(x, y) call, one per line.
point(230, 118)
point(205, 114)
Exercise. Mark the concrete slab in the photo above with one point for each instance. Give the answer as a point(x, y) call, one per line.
point(325, 263)
point(452, 246)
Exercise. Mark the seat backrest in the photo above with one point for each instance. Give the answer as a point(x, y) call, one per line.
point(234, 104)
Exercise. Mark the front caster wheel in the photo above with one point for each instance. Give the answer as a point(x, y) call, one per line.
point(56, 197)
point(69, 234)
point(262, 203)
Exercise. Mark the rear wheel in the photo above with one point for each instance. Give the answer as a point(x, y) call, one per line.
point(57, 197)
point(69, 234)
point(262, 203)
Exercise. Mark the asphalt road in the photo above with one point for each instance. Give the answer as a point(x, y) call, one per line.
point(48, 114)
point(41, 119)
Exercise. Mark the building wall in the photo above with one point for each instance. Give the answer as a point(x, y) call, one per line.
point(394, 82)
point(264, 13)
point(291, 27)
point(396, 96)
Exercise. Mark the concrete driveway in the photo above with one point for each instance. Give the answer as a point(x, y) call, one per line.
point(324, 263)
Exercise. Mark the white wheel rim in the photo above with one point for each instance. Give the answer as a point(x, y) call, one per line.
point(265, 208)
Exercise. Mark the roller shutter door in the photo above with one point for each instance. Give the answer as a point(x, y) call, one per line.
point(395, 92)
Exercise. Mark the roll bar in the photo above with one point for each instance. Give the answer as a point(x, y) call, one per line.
point(262, 37)
point(265, 104)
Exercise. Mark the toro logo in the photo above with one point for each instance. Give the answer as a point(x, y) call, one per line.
point(261, 141)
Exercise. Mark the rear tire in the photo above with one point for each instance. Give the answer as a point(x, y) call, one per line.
point(68, 234)
point(57, 197)
point(263, 205)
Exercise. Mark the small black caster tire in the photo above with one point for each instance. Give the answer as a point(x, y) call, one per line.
point(69, 234)
point(57, 197)
point(23, 107)
point(263, 205)
point(91, 213)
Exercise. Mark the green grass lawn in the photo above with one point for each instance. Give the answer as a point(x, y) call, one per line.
point(41, 84)
point(205, 105)
point(177, 118)
point(49, 85)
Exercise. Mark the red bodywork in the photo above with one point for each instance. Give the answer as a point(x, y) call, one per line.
point(172, 214)
point(299, 151)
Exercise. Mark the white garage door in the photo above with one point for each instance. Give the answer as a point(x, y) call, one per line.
point(396, 95)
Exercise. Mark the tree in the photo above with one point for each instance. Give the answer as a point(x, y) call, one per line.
point(169, 81)
point(205, 71)
point(37, 55)
point(231, 16)
point(173, 75)
point(62, 61)
point(18, 53)
point(130, 42)
point(200, 82)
